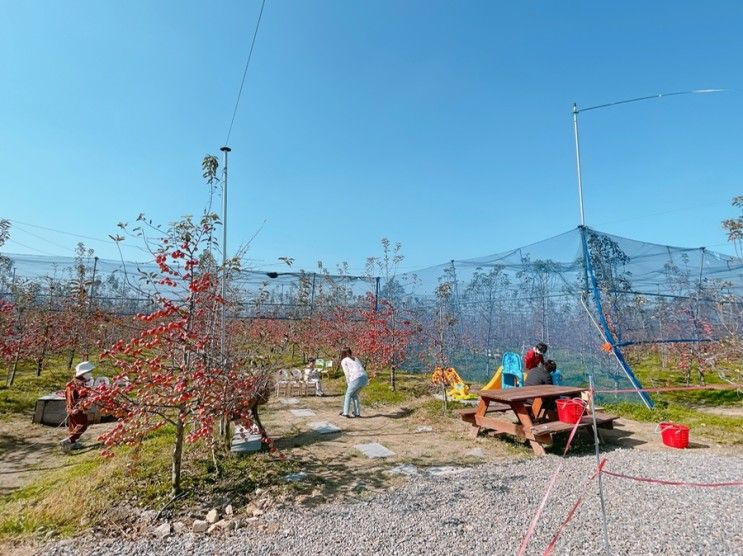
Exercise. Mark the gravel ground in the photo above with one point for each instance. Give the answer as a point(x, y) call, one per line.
point(487, 510)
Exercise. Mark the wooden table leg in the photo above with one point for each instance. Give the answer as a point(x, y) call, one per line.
point(525, 419)
point(482, 409)
point(536, 407)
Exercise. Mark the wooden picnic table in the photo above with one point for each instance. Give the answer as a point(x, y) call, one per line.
point(527, 403)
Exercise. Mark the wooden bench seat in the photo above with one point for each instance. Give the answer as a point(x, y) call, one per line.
point(494, 407)
point(603, 421)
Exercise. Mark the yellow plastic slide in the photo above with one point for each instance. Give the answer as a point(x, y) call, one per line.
point(495, 382)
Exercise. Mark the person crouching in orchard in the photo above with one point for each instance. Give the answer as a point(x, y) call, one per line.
point(77, 419)
point(356, 379)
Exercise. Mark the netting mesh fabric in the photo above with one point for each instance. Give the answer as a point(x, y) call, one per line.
point(589, 295)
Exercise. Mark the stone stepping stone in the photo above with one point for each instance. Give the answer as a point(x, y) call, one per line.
point(475, 453)
point(404, 469)
point(303, 412)
point(374, 450)
point(296, 477)
point(324, 427)
point(424, 428)
point(289, 401)
point(244, 441)
point(444, 470)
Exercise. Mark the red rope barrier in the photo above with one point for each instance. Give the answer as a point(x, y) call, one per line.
point(533, 524)
point(571, 513)
point(673, 483)
point(672, 389)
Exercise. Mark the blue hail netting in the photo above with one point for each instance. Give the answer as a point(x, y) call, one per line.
point(117, 286)
point(575, 292)
point(578, 292)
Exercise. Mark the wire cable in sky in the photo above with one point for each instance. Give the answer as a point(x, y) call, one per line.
point(659, 95)
point(37, 236)
point(99, 240)
point(245, 72)
point(11, 240)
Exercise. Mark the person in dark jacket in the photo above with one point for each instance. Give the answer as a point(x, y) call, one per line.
point(541, 374)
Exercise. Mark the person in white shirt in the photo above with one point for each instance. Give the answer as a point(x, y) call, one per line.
point(312, 376)
point(356, 379)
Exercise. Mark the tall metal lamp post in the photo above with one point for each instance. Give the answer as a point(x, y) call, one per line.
point(223, 287)
point(577, 111)
point(224, 424)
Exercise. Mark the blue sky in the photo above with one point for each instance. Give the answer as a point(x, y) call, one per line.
point(443, 125)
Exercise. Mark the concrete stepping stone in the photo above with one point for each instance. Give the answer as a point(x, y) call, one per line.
point(475, 453)
point(444, 470)
point(404, 469)
point(296, 477)
point(289, 401)
point(245, 441)
point(324, 427)
point(302, 412)
point(424, 428)
point(374, 450)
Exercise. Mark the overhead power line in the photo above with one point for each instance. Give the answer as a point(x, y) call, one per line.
point(72, 234)
point(245, 72)
point(11, 240)
point(37, 236)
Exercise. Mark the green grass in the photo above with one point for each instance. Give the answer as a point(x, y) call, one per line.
point(721, 429)
point(683, 406)
point(89, 489)
point(20, 399)
point(649, 371)
point(408, 387)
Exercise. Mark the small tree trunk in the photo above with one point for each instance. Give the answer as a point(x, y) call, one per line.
point(14, 368)
point(446, 398)
point(42, 355)
point(70, 358)
point(175, 470)
point(393, 378)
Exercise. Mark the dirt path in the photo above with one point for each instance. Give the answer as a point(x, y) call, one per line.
point(425, 439)
point(28, 450)
point(417, 438)
point(725, 411)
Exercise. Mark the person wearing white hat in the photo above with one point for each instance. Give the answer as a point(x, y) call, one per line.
point(77, 418)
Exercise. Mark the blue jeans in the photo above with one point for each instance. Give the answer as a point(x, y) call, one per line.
point(352, 394)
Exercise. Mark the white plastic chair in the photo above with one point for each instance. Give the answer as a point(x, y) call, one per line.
point(283, 380)
point(299, 382)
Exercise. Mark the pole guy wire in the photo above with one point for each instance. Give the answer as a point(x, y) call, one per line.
point(245, 73)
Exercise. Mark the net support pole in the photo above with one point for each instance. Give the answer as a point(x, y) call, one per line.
point(598, 463)
point(223, 286)
point(376, 294)
point(577, 164)
point(224, 424)
point(92, 285)
point(604, 327)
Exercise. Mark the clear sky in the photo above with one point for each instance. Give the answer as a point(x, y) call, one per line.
point(443, 125)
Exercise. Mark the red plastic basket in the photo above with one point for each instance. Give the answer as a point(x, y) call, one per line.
point(570, 411)
point(674, 435)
